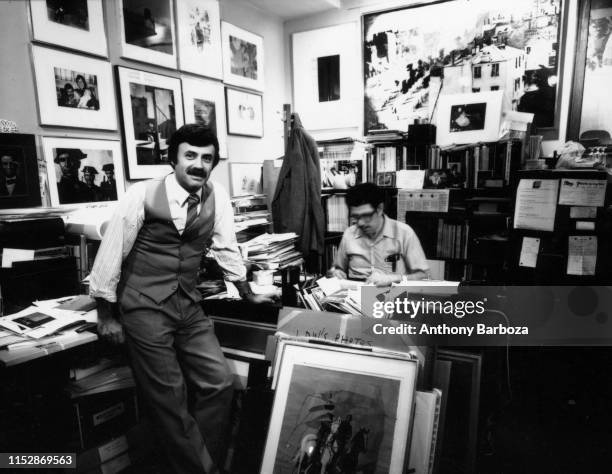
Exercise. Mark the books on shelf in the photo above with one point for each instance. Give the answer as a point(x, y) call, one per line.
point(336, 213)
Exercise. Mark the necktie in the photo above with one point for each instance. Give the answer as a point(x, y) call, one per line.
point(192, 209)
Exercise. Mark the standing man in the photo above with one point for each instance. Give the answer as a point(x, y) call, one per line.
point(69, 188)
point(375, 248)
point(12, 182)
point(144, 280)
point(109, 185)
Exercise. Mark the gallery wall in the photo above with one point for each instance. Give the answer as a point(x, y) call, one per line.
point(352, 11)
point(18, 93)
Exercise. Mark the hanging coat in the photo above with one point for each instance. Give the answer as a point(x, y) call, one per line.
point(296, 206)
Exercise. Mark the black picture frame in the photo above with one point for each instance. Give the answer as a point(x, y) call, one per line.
point(26, 189)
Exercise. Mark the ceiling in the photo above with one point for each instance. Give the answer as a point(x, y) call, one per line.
point(289, 9)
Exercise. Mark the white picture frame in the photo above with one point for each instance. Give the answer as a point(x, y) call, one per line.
point(199, 37)
point(316, 382)
point(147, 122)
point(55, 72)
point(243, 57)
point(244, 113)
point(98, 153)
point(78, 30)
point(309, 47)
point(246, 178)
point(147, 40)
point(203, 97)
point(469, 118)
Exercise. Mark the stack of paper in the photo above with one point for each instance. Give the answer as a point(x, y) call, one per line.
point(272, 251)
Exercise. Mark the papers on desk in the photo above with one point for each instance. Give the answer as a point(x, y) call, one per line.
point(536, 204)
point(36, 323)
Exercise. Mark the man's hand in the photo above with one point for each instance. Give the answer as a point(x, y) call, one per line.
point(380, 278)
point(109, 329)
point(336, 272)
point(258, 299)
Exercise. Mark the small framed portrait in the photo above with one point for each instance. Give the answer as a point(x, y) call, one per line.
point(147, 31)
point(244, 113)
point(73, 90)
point(205, 104)
point(74, 24)
point(246, 178)
point(199, 37)
point(19, 181)
point(83, 171)
point(152, 110)
point(337, 408)
point(243, 57)
point(469, 118)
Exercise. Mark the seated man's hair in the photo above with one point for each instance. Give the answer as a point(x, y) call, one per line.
point(196, 135)
point(365, 193)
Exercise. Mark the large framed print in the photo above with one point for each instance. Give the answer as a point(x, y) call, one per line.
point(205, 104)
point(325, 65)
point(244, 113)
point(74, 90)
point(82, 171)
point(19, 181)
point(336, 409)
point(468, 118)
point(592, 73)
point(199, 37)
point(147, 31)
point(243, 57)
point(411, 61)
point(152, 110)
point(74, 24)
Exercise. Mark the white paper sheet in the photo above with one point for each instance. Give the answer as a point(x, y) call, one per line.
point(536, 204)
point(582, 192)
point(583, 212)
point(529, 252)
point(582, 255)
point(410, 179)
point(15, 255)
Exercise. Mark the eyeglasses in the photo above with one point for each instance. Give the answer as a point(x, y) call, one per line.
point(366, 217)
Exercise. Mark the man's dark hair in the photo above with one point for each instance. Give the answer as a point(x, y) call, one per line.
point(195, 135)
point(365, 193)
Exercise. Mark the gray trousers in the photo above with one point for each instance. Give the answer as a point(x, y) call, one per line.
point(182, 375)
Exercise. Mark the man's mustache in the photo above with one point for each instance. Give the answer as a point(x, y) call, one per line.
point(197, 172)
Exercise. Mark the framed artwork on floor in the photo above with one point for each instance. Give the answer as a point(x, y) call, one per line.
point(244, 113)
point(243, 57)
point(74, 24)
point(83, 171)
point(152, 110)
point(19, 181)
point(332, 403)
point(147, 31)
point(246, 178)
point(73, 90)
point(205, 104)
point(199, 37)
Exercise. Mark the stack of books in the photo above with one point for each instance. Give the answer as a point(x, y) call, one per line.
point(272, 251)
point(250, 211)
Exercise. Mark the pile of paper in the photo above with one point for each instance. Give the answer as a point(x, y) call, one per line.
point(272, 251)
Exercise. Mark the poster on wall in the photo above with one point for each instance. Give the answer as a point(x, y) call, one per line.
point(325, 65)
point(74, 24)
point(205, 104)
point(73, 90)
point(199, 37)
point(244, 113)
point(83, 171)
point(243, 57)
point(152, 110)
point(476, 46)
point(19, 182)
point(147, 31)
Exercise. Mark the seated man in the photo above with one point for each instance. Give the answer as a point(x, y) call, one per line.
point(376, 248)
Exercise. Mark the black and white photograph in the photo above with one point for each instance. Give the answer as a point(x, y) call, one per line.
point(243, 57)
point(73, 24)
point(152, 108)
point(148, 31)
point(83, 171)
point(73, 90)
point(19, 180)
point(468, 117)
point(199, 37)
point(244, 113)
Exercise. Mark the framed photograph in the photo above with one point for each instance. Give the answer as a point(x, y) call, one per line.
point(73, 90)
point(246, 178)
point(19, 183)
point(244, 113)
point(325, 64)
point(243, 57)
point(152, 110)
point(468, 118)
point(82, 171)
point(205, 104)
point(199, 37)
point(411, 62)
point(74, 24)
point(592, 74)
point(332, 403)
point(147, 31)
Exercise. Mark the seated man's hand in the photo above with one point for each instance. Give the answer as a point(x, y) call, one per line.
point(336, 272)
point(380, 278)
point(258, 299)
